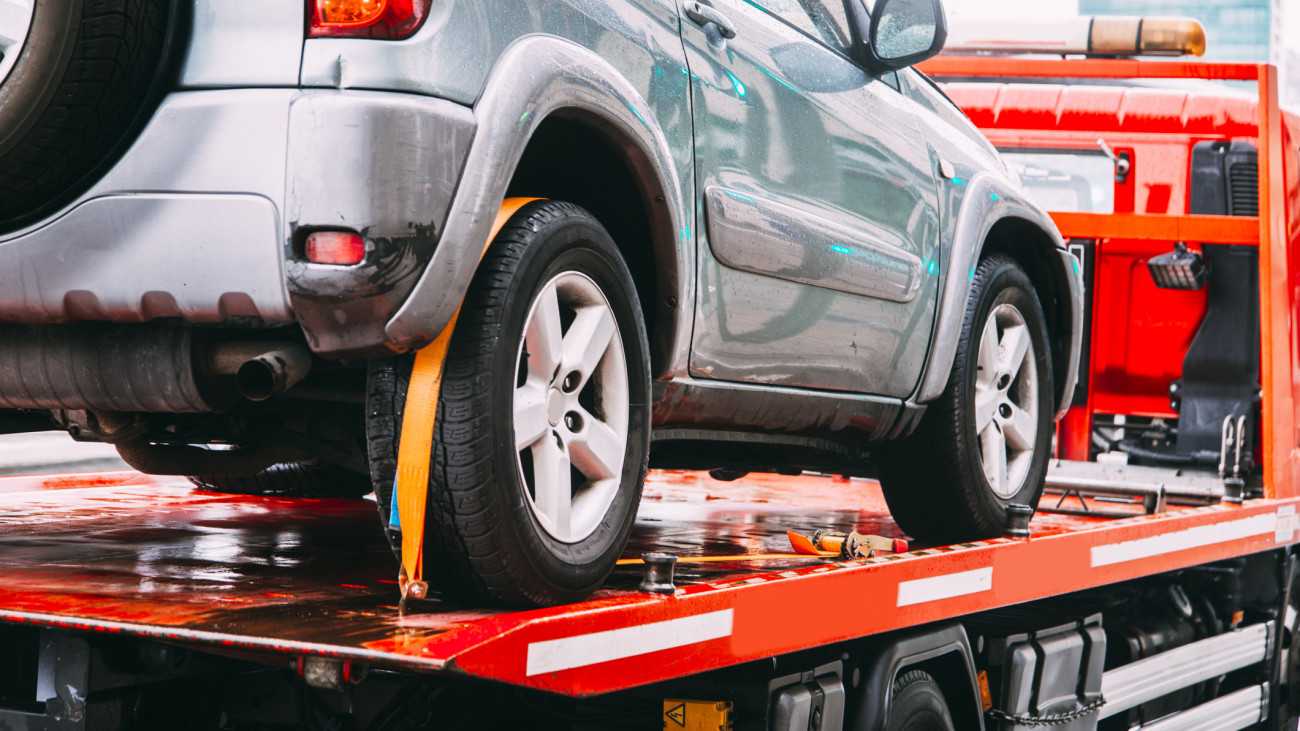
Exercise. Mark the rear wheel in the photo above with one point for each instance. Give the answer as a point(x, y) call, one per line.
point(542, 429)
point(983, 444)
point(291, 479)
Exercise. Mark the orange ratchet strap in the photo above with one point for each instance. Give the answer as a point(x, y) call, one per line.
point(411, 488)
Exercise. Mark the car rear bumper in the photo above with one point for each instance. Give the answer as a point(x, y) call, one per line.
point(201, 218)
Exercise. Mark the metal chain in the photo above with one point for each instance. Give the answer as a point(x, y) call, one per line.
point(1056, 719)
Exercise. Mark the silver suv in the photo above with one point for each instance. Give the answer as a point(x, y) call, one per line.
point(720, 234)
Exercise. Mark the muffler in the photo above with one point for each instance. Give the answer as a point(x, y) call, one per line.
point(158, 368)
point(105, 368)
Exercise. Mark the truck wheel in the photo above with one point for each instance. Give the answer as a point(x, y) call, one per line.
point(917, 704)
point(291, 479)
point(75, 77)
point(1287, 683)
point(983, 444)
point(542, 429)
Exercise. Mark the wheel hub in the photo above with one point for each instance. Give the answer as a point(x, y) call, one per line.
point(1006, 400)
point(555, 406)
point(15, 22)
point(571, 406)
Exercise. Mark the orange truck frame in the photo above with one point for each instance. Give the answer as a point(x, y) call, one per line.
point(1143, 615)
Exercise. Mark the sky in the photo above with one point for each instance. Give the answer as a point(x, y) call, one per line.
point(1027, 9)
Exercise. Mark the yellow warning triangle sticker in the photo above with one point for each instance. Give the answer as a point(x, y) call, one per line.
point(677, 714)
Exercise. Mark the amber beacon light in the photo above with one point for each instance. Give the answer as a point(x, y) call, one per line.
point(1085, 35)
point(380, 19)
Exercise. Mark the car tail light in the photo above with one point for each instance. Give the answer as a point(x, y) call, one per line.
point(382, 19)
point(335, 247)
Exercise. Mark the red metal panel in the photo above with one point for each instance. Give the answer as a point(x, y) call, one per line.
point(1129, 112)
point(1093, 68)
point(150, 557)
point(1278, 364)
point(804, 608)
point(1165, 228)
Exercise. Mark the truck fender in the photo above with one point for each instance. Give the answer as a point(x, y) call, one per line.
point(885, 661)
point(989, 200)
point(534, 77)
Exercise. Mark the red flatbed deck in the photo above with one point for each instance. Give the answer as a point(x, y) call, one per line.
point(127, 553)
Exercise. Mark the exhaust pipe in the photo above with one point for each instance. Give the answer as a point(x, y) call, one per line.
point(261, 370)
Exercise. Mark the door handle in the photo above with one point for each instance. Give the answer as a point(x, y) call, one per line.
point(702, 15)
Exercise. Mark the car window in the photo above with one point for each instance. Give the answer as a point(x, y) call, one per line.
point(1075, 181)
point(825, 20)
point(832, 21)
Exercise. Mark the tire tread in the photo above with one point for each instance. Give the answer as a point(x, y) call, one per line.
point(927, 477)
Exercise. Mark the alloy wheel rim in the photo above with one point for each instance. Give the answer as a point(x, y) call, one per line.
point(15, 22)
point(570, 407)
point(1006, 400)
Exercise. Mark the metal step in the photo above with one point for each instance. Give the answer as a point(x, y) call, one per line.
point(1131, 685)
point(1243, 708)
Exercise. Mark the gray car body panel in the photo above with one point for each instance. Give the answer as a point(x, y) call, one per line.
point(268, 51)
point(783, 116)
point(765, 237)
point(382, 164)
point(536, 76)
point(981, 192)
point(196, 221)
point(187, 246)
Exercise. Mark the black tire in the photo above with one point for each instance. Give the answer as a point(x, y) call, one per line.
point(484, 540)
point(84, 77)
point(291, 479)
point(934, 481)
point(917, 704)
point(1286, 684)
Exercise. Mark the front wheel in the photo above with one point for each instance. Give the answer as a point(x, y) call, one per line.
point(542, 429)
point(983, 444)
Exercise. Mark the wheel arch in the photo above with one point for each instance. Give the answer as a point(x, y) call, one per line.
point(995, 217)
point(1032, 248)
point(576, 155)
point(548, 86)
point(941, 650)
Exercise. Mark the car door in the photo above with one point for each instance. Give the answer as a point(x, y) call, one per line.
point(816, 204)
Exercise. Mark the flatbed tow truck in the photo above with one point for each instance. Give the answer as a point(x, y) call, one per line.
point(129, 601)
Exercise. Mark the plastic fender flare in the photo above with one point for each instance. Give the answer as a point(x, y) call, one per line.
point(534, 77)
point(988, 200)
point(887, 660)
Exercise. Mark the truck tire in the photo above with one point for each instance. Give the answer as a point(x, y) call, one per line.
point(538, 457)
point(983, 444)
point(77, 81)
point(291, 479)
point(917, 704)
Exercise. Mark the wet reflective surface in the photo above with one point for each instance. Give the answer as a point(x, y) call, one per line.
point(126, 552)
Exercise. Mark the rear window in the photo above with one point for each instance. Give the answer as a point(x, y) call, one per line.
point(1071, 181)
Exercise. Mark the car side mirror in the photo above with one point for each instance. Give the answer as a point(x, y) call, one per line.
point(905, 32)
